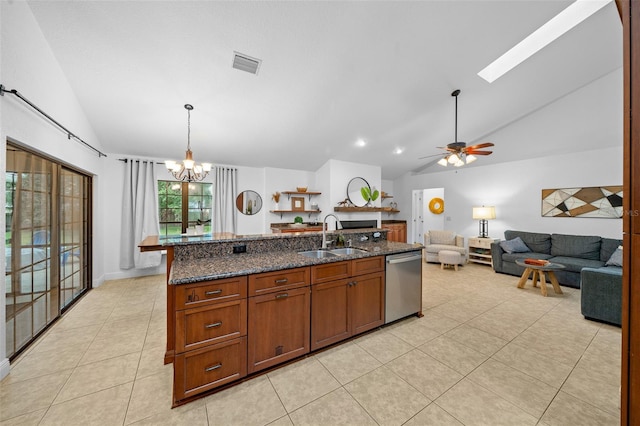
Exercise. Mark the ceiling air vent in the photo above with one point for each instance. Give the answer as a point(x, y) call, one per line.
point(246, 63)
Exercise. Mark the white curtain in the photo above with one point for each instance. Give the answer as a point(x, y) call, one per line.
point(139, 214)
point(224, 193)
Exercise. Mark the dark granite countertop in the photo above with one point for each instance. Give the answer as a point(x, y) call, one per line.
point(216, 267)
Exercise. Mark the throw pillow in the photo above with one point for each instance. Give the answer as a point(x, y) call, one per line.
point(616, 258)
point(514, 246)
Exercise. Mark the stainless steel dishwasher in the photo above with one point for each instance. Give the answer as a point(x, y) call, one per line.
point(403, 285)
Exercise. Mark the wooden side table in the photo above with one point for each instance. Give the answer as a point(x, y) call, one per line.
point(480, 250)
point(537, 273)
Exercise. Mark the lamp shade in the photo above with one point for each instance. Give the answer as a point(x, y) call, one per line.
point(484, 212)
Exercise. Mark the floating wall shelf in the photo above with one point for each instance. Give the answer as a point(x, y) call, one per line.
point(281, 212)
point(290, 193)
point(365, 209)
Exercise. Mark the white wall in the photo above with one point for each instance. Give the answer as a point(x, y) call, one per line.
point(336, 175)
point(280, 180)
point(591, 115)
point(516, 193)
point(29, 66)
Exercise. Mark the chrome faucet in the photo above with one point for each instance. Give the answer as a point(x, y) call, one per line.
point(325, 243)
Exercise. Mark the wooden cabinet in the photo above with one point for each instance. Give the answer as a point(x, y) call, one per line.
point(480, 250)
point(330, 319)
point(278, 318)
point(366, 299)
point(210, 329)
point(346, 306)
point(198, 371)
point(224, 330)
point(397, 231)
point(269, 282)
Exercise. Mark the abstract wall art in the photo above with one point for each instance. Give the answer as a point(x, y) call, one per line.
point(595, 201)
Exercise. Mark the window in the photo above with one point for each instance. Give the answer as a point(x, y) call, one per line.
point(184, 204)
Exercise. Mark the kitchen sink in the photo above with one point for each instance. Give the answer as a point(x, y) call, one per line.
point(317, 254)
point(347, 250)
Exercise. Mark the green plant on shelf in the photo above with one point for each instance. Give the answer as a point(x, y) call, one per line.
point(368, 195)
point(298, 219)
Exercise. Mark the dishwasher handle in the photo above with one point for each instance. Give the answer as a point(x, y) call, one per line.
point(404, 259)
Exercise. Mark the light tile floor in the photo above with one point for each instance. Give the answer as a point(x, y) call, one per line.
point(485, 353)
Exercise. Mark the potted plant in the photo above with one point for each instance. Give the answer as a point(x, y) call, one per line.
point(298, 222)
point(369, 195)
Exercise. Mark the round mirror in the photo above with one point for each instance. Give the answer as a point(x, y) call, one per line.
point(249, 202)
point(354, 191)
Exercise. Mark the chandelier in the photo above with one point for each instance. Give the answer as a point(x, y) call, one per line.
point(188, 170)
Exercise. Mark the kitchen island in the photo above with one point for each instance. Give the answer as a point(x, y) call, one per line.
point(240, 305)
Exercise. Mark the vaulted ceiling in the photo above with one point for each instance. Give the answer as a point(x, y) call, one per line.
point(332, 72)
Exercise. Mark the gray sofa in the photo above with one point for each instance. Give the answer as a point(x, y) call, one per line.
point(573, 251)
point(601, 297)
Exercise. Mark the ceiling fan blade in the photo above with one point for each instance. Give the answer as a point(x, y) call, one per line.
point(472, 152)
point(433, 155)
point(424, 167)
point(481, 145)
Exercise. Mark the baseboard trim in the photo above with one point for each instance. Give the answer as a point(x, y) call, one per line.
point(4, 368)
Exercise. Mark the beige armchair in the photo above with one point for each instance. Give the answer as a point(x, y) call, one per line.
point(434, 241)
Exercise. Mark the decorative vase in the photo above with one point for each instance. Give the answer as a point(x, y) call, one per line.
point(275, 206)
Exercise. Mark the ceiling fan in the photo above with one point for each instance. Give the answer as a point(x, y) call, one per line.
point(458, 153)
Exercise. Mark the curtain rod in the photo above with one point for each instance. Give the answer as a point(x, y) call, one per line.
point(126, 160)
point(48, 117)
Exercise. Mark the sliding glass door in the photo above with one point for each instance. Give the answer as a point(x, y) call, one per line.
point(46, 243)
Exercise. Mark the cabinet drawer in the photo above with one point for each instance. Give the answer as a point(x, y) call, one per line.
point(199, 327)
point(270, 282)
point(209, 292)
point(368, 265)
point(330, 272)
point(480, 242)
point(203, 369)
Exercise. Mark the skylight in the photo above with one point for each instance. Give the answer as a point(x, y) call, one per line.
point(547, 33)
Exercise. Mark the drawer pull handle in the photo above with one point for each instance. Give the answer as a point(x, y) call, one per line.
point(212, 292)
point(282, 296)
point(282, 281)
point(213, 367)
point(215, 324)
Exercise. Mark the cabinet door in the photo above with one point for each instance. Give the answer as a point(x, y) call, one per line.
point(279, 325)
point(367, 302)
point(329, 313)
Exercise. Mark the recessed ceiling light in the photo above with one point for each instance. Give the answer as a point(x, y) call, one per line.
point(360, 142)
point(398, 151)
point(557, 26)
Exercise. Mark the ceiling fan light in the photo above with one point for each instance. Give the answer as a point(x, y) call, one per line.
point(471, 158)
point(443, 161)
point(454, 158)
point(458, 163)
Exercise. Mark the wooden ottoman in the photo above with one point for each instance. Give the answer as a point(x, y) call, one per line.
point(449, 258)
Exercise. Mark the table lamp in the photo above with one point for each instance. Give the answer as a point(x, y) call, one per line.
point(484, 214)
